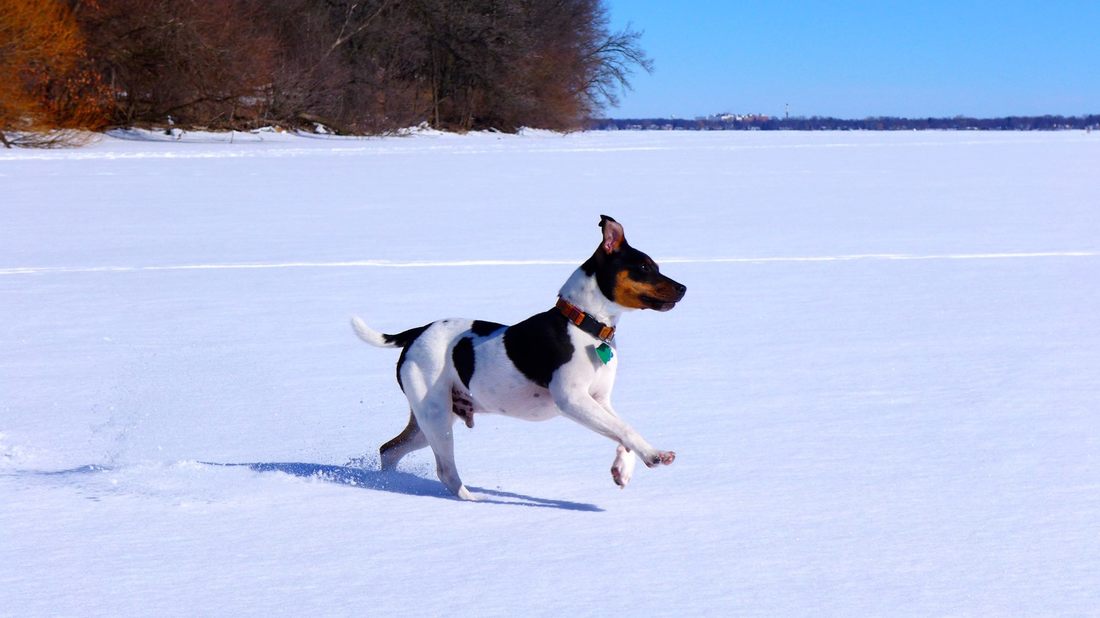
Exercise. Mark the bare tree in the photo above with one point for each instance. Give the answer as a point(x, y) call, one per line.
point(360, 65)
point(610, 59)
point(202, 63)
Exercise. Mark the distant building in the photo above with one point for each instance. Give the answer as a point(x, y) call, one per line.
point(728, 117)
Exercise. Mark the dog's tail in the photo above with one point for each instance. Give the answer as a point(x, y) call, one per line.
point(381, 340)
point(370, 335)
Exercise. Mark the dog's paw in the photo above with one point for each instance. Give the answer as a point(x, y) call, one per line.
point(661, 458)
point(622, 469)
point(464, 494)
point(620, 478)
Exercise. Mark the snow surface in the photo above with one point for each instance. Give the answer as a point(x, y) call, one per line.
point(882, 386)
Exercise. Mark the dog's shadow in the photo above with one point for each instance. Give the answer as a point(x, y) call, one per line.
point(407, 484)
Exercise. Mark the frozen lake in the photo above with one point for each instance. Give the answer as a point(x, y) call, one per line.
point(882, 385)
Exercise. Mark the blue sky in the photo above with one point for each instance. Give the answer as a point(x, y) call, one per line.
point(854, 59)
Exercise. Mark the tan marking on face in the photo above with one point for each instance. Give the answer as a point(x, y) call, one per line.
point(629, 292)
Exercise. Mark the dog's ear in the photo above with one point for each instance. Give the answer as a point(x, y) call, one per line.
point(613, 235)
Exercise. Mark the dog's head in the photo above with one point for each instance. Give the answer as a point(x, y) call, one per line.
point(627, 276)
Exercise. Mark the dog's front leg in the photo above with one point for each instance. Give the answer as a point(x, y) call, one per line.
point(578, 405)
point(622, 469)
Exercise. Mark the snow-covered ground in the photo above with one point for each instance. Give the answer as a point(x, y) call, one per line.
point(883, 385)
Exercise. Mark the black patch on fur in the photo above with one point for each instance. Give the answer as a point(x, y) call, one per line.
point(539, 345)
point(404, 340)
point(463, 357)
point(482, 328)
point(593, 267)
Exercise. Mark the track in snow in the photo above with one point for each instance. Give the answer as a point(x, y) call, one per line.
point(40, 270)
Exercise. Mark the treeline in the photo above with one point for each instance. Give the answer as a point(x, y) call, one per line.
point(356, 66)
point(817, 123)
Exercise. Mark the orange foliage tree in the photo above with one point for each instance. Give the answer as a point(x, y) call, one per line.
point(44, 80)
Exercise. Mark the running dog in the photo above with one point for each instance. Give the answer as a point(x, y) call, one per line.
point(561, 361)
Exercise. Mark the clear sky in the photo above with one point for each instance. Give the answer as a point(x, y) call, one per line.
point(853, 59)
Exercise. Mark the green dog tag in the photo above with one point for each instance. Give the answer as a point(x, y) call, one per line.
point(604, 352)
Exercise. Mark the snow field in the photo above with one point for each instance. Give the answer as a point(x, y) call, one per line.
point(188, 425)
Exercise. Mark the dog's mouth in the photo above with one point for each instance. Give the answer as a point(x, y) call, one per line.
point(659, 304)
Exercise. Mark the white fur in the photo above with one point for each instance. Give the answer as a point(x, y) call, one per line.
point(368, 334)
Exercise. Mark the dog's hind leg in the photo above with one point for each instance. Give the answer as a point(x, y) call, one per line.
point(409, 440)
point(436, 421)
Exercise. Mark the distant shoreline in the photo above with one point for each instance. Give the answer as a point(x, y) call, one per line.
point(820, 123)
